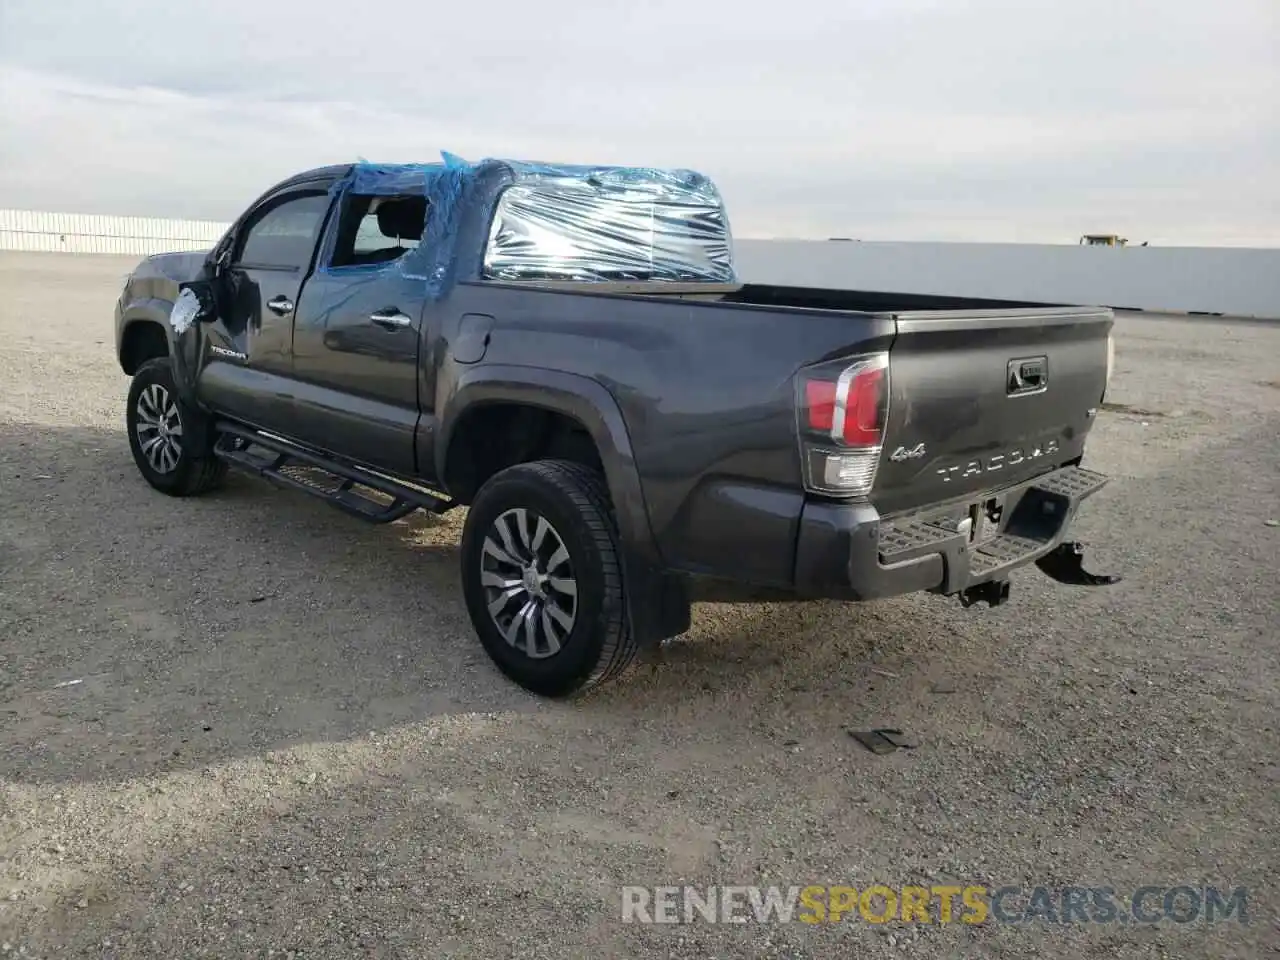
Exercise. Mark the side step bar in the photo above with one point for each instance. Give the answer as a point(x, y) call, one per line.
point(352, 489)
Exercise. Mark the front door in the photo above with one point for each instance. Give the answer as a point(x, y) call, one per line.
point(249, 370)
point(357, 334)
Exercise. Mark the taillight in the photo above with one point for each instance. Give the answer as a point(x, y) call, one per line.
point(842, 410)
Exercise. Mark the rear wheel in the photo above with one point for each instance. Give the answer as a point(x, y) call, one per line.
point(171, 443)
point(542, 578)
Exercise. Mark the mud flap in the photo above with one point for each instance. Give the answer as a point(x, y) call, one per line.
point(658, 603)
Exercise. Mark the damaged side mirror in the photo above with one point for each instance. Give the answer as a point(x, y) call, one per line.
point(196, 303)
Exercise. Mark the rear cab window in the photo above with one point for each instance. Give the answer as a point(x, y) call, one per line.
point(595, 228)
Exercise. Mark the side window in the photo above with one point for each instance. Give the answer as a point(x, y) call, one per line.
point(378, 229)
point(285, 235)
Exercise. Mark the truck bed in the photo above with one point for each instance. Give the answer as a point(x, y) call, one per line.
point(705, 377)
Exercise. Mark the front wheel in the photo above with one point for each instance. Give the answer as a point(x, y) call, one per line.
point(170, 442)
point(542, 578)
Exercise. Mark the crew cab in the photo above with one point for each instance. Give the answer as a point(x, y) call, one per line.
point(568, 352)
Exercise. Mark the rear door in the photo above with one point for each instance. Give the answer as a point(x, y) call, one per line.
point(983, 399)
point(357, 335)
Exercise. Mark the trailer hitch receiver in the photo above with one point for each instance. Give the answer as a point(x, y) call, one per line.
point(992, 593)
point(1065, 563)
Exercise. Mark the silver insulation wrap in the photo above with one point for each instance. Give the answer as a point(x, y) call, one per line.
point(661, 227)
point(185, 310)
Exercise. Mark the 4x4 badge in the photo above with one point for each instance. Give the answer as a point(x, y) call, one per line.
point(902, 453)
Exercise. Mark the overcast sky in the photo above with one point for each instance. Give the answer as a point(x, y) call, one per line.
point(1028, 120)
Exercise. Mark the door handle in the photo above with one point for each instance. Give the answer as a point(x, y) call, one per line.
point(390, 318)
point(281, 305)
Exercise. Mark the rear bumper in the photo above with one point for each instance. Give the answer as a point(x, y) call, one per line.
point(846, 551)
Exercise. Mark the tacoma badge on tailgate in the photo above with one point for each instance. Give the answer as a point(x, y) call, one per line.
point(998, 461)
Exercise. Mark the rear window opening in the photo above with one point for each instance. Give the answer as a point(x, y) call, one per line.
point(378, 229)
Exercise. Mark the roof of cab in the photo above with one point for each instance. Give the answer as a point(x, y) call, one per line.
point(332, 172)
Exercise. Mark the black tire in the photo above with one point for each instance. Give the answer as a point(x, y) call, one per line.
point(574, 500)
point(195, 470)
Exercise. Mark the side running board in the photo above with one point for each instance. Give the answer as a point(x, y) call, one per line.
point(352, 489)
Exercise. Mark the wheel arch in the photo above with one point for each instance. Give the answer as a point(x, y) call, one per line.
point(578, 398)
point(144, 327)
point(658, 602)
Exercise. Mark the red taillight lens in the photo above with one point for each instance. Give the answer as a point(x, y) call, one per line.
point(864, 416)
point(820, 404)
point(850, 405)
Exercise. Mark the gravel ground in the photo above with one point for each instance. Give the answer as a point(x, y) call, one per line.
point(281, 739)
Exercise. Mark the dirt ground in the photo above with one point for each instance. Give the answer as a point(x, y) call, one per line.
point(247, 725)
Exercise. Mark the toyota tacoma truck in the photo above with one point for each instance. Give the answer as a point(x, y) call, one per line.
point(568, 352)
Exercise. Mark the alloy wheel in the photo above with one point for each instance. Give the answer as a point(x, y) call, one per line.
point(159, 428)
point(529, 582)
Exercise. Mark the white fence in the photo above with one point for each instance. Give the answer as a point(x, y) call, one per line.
point(92, 233)
point(1235, 281)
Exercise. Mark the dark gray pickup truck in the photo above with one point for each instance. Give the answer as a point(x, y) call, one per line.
point(567, 351)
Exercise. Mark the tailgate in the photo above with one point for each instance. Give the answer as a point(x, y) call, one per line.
point(982, 399)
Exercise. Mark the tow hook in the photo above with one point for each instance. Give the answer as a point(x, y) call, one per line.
point(992, 593)
point(1065, 563)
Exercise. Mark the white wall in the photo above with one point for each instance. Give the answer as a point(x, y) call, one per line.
point(1240, 282)
point(90, 233)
